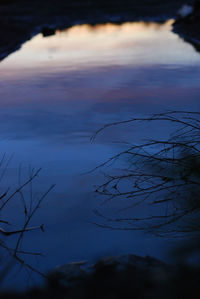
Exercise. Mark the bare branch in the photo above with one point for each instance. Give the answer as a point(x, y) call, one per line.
point(160, 172)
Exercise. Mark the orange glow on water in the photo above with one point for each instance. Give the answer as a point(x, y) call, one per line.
point(85, 46)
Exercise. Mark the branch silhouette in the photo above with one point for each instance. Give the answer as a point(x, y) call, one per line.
point(162, 175)
point(30, 210)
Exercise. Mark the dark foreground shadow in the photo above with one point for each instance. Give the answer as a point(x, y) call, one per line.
point(123, 277)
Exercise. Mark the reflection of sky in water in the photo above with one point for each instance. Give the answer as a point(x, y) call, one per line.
point(56, 91)
point(103, 45)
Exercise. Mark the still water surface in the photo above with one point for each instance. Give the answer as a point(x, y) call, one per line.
point(55, 92)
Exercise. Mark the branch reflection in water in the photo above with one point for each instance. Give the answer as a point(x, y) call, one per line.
point(161, 180)
point(30, 203)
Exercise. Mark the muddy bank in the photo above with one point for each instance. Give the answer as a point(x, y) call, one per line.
point(20, 20)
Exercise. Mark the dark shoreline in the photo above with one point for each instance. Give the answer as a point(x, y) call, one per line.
point(123, 277)
point(190, 33)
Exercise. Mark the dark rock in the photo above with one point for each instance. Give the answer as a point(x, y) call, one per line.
point(46, 31)
point(128, 276)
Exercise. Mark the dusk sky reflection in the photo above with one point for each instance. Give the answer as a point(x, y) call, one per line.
point(85, 46)
point(56, 91)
